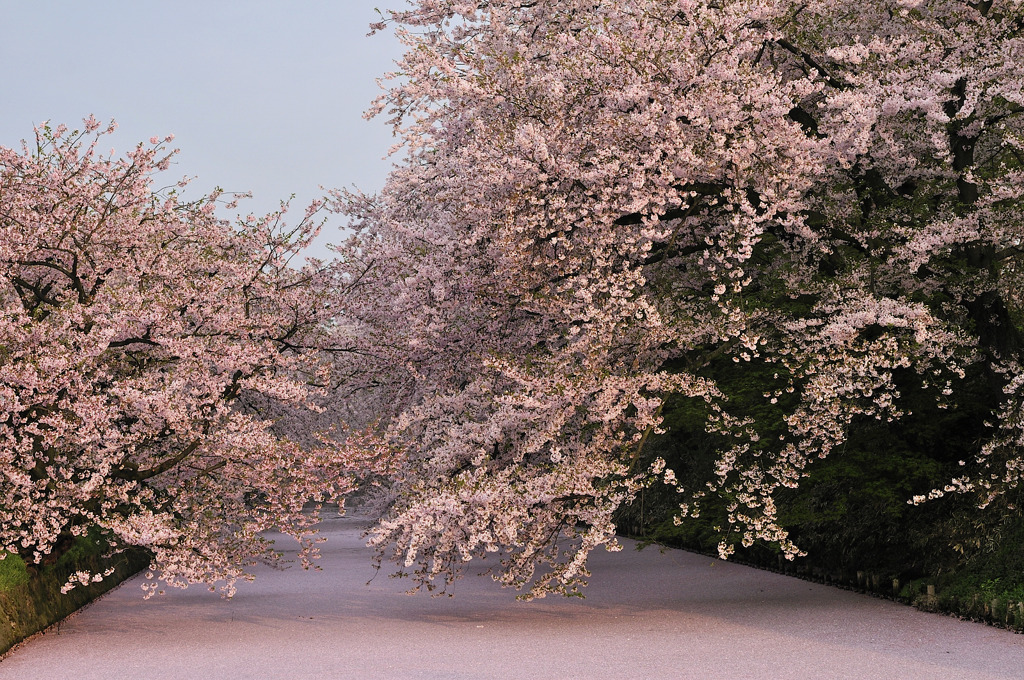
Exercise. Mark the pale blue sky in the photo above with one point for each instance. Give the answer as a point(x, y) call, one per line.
point(262, 95)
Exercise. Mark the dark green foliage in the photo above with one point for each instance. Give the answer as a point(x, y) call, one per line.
point(851, 514)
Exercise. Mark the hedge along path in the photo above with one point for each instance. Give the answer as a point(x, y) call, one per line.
point(646, 613)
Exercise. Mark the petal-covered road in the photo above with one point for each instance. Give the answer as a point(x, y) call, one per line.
point(647, 614)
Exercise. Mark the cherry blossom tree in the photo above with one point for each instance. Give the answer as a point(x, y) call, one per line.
point(143, 342)
point(601, 200)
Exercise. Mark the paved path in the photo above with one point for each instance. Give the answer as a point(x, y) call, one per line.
point(647, 614)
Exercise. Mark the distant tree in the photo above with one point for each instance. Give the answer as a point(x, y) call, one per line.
point(138, 333)
point(602, 200)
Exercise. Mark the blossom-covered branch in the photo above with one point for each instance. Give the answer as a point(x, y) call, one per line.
point(603, 201)
point(138, 333)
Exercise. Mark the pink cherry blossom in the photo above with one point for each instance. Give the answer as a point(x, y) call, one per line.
point(158, 367)
point(600, 200)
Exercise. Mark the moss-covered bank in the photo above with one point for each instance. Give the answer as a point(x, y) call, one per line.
point(30, 599)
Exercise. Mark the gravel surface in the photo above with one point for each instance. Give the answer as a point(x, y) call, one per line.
point(647, 614)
